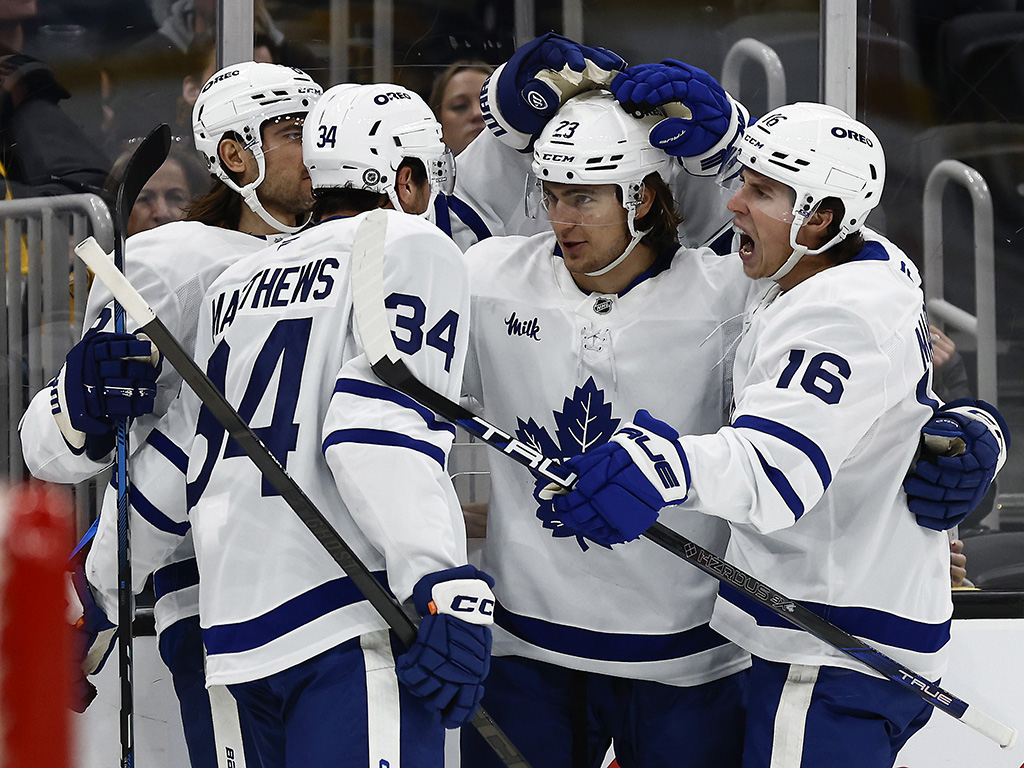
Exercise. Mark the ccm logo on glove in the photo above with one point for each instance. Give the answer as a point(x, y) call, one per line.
point(468, 599)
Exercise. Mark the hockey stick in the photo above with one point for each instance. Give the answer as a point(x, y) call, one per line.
point(143, 163)
point(387, 364)
point(213, 399)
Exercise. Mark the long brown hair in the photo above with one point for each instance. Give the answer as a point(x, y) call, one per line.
point(663, 218)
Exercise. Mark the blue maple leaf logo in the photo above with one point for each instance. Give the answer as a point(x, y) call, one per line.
point(585, 421)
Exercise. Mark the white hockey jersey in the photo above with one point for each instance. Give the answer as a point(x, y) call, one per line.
point(171, 266)
point(832, 383)
point(561, 369)
point(277, 331)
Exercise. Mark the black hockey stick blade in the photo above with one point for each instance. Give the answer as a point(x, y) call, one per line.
point(387, 364)
point(237, 428)
point(144, 162)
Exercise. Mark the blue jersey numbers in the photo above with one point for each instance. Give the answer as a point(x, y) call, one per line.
point(411, 316)
point(822, 376)
point(284, 349)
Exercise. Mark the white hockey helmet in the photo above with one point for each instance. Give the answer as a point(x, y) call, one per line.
point(819, 151)
point(235, 103)
point(593, 140)
point(358, 135)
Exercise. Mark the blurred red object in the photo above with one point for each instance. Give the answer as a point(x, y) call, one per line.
point(35, 636)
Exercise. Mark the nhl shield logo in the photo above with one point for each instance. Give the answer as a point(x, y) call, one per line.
point(603, 305)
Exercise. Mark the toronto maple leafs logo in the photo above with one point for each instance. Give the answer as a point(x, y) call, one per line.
point(585, 421)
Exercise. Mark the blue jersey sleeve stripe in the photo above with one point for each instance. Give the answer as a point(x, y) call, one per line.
point(607, 646)
point(166, 448)
point(175, 577)
point(468, 216)
point(383, 437)
point(380, 392)
point(154, 516)
point(287, 617)
point(922, 393)
point(789, 435)
point(869, 623)
point(442, 218)
point(778, 478)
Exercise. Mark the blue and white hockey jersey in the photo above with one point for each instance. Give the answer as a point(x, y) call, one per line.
point(171, 266)
point(277, 331)
point(832, 382)
point(561, 369)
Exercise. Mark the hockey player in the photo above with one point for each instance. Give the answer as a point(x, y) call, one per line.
point(310, 662)
point(832, 384)
point(247, 125)
point(569, 334)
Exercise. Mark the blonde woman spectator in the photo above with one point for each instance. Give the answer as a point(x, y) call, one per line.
point(455, 99)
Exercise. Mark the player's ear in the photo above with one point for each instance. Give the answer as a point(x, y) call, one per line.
point(817, 224)
point(232, 155)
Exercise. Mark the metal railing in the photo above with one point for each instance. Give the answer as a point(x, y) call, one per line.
point(981, 325)
point(746, 49)
point(43, 317)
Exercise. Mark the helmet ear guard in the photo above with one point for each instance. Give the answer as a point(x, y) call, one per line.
point(235, 103)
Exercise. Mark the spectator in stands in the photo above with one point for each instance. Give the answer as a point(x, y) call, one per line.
point(168, 193)
point(455, 99)
point(42, 151)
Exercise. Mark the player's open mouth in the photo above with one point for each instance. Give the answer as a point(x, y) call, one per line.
point(746, 244)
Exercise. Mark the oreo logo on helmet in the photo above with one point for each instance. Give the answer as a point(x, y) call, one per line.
point(384, 98)
point(371, 176)
point(843, 133)
point(220, 78)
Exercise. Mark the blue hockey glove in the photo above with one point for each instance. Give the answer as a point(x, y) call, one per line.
point(105, 376)
point(963, 446)
point(702, 122)
point(447, 664)
point(621, 485)
point(94, 640)
point(523, 93)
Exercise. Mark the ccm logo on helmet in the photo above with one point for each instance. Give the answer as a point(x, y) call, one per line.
point(384, 98)
point(557, 158)
point(841, 133)
point(219, 78)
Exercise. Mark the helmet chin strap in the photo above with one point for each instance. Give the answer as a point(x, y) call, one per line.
point(248, 193)
point(629, 249)
point(637, 237)
point(799, 251)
